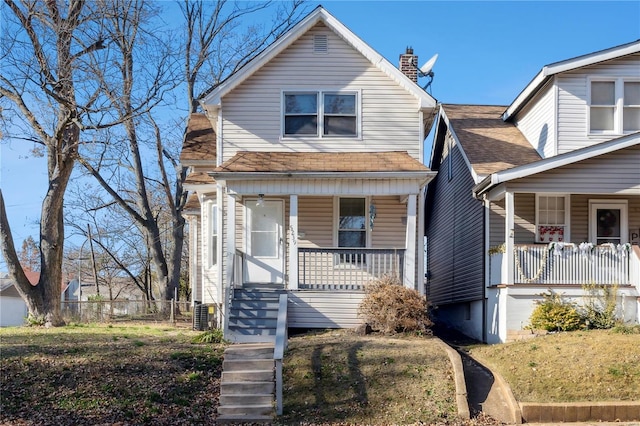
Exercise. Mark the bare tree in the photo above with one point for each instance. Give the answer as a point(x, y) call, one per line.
point(151, 191)
point(55, 56)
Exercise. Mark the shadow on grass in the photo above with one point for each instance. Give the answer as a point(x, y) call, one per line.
point(347, 391)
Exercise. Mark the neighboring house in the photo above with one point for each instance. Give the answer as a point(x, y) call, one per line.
point(541, 194)
point(308, 178)
point(13, 309)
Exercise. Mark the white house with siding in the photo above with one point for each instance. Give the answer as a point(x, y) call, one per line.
point(541, 194)
point(307, 179)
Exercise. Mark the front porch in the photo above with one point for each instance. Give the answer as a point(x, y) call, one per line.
point(566, 264)
point(549, 238)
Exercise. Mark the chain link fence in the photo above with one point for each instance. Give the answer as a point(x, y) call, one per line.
point(127, 310)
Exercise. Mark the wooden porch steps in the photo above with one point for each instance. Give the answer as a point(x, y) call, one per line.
point(247, 389)
point(253, 315)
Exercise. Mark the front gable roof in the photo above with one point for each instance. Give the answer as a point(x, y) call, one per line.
point(548, 71)
point(215, 95)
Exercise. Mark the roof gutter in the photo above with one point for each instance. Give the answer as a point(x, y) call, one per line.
point(485, 185)
point(428, 175)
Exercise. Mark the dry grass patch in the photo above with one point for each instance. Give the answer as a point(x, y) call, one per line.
point(337, 377)
point(86, 375)
point(596, 365)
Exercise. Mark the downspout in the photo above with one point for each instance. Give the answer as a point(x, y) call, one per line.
point(485, 255)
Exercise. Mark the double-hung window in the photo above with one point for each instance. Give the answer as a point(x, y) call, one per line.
point(213, 234)
point(552, 218)
point(320, 114)
point(614, 106)
point(352, 228)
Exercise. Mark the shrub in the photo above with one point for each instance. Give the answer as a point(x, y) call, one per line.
point(391, 308)
point(210, 336)
point(599, 310)
point(626, 329)
point(553, 313)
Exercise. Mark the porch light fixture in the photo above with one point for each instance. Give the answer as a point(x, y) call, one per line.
point(372, 215)
point(260, 201)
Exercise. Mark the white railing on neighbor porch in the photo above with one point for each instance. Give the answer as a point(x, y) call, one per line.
point(346, 268)
point(572, 264)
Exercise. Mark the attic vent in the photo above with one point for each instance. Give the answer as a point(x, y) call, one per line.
point(320, 43)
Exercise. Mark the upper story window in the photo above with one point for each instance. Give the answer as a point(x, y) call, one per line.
point(614, 106)
point(321, 114)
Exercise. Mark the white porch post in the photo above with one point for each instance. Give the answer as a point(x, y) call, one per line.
point(231, 225)
point(420, 248)
point(410, 244)
point(293, 242)
point(229, 261)
point(507, 266)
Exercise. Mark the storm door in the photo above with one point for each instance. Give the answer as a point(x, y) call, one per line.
point(608, 222)
point(264, 258)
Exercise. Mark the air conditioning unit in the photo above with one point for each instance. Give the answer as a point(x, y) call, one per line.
point(204, 316)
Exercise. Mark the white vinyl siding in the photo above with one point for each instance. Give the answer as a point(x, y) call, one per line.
point(573, 100)
point(613, 173)
point(389, 230)
point(343, 187)
point(324, 309)
point(252, 112)
point(537, 122)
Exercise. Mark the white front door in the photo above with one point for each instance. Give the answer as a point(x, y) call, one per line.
point(608, 221)
point(264, 261)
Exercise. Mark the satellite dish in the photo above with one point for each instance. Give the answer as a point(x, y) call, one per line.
point(425, 70)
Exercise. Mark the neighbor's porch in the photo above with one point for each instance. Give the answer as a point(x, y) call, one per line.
point(563, 239)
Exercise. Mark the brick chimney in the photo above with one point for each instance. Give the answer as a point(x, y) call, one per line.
point(409, 63)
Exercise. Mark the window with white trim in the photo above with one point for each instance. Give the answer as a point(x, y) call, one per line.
point(321, 114)
point(352, 228)
point(552, 218)
point(614, 106)
point(213, 234)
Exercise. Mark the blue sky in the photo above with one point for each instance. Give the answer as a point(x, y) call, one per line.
point(488, 52)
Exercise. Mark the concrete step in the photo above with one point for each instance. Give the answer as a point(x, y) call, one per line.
point(246, 399)
point(248, 364)
point(241, 419)
point(249, 351)
point(241, 388)
point(240, 335)
point(246, 410)
point(248, 376)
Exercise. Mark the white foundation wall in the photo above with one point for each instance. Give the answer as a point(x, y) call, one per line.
point(509, 308)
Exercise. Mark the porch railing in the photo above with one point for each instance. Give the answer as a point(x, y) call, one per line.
point(346, 268)
point(572, 264)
